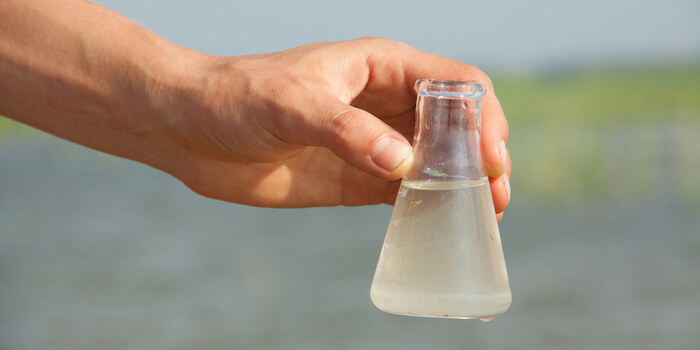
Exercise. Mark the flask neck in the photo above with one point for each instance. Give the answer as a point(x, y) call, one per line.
point(446, 145)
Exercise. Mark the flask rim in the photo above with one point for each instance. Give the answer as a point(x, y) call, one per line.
point(457, 89)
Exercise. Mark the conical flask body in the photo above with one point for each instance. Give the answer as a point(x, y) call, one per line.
point(442, 255)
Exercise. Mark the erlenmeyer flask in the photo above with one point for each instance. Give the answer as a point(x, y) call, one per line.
point(442, 255)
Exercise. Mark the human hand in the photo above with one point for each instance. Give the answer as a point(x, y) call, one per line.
point(318, 125)
point(322, 124)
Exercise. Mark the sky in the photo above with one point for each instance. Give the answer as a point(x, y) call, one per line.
point(506, 35)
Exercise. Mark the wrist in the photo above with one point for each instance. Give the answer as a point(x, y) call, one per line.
point(175, 88)
point(203, 100)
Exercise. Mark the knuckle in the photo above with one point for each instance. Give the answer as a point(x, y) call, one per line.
point(371, 38)
point(477, 74)
point(401, 45)
point(341, 122)
point(384, 42)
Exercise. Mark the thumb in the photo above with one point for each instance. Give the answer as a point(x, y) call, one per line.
point(357, 137)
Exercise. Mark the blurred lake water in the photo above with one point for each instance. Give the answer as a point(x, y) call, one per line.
point(602, 237)
point(102, 253)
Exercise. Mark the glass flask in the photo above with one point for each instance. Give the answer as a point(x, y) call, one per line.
point(442, 255)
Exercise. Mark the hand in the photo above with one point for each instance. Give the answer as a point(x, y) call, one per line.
point(318, 125)
point(322, 124)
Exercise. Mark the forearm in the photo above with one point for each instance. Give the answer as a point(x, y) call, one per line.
point(82, 72)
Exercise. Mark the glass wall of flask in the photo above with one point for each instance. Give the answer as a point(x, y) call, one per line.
point(442, 255)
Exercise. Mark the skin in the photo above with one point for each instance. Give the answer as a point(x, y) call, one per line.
point(295, 128)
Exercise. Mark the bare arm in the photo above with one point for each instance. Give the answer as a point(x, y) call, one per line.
point(84, 73)
point(321, 124)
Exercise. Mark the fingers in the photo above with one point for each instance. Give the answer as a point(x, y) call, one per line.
point(497, 164)
point(354, 135)
point(494, 127)
point(422, 65)
point(500, 188)
point(417, 64)
point(494, 137)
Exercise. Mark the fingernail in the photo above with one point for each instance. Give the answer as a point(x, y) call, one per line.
point(503, 154)
point(506, 183)
point(389, 153)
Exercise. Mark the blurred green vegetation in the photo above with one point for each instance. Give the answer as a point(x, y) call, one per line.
point(626, 133)
point(605, 133)
point(602, 96)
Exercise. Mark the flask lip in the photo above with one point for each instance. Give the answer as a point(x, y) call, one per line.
point(470, 89)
